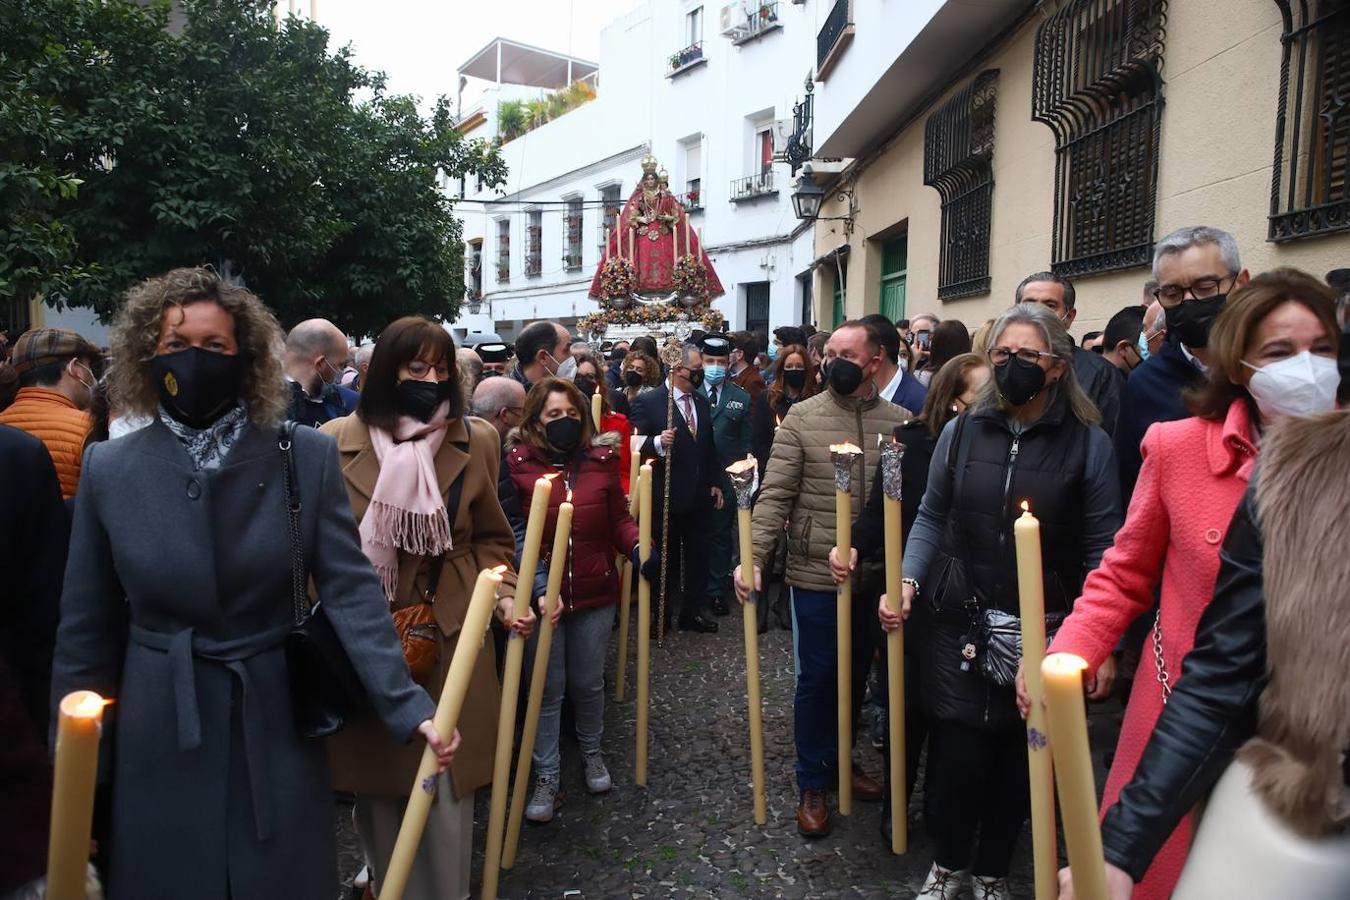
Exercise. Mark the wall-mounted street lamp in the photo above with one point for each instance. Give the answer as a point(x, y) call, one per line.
point(809, 196)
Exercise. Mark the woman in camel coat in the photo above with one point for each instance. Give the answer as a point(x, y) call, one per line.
point(413, 363)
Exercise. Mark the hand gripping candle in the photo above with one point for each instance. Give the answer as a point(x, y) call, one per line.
point(562, 534)
point(515, 659)
point(1031, 593)
point(844, 457)
point(892, 454)
point(447, 717)
point(743, 484)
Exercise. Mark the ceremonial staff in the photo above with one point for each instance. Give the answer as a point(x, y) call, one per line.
point(672, 354)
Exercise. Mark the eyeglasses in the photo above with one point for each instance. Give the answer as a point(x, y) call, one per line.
point(419, 369)
point(999, 356)
point(1173, 294)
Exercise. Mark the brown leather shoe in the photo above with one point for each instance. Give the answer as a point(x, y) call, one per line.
point(865, 787)
point(813, 815)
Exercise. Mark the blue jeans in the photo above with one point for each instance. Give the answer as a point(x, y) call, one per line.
point(815, 652)
point(576, 665)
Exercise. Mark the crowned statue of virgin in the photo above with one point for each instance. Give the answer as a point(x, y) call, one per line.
point(654, 252)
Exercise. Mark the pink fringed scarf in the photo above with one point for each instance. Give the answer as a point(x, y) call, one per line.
point(406, 511)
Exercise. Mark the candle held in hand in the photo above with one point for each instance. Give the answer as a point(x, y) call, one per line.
point(1031, 594)
point(742, 475)
point(892, 485)
point(76, 768)
point(844, 456)
point(1067, 714)
point(448, 708)
point(644, 625)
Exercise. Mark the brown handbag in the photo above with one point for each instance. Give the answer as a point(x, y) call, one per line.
point(416, 624)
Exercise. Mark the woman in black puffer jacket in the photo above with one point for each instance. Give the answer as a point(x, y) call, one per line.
point(1031, 435)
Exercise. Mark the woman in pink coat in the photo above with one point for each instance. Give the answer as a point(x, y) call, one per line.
point(1272, 352)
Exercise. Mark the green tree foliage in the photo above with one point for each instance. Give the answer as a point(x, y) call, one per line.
point(127, 149)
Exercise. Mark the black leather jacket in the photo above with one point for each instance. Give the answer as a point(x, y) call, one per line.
point(1212, 711)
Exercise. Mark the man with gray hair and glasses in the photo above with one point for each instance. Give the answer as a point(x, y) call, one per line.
point(1196, 268)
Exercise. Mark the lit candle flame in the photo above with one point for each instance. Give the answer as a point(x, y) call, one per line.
point(1026, 507)
point(1064, 662)
point(549, 477)
point(569, 495)
point(83, 705)
point(498, 571)
point(845, 447)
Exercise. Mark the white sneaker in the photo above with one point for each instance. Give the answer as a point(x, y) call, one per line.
point(986, 888)
point(597, 776)
point(941, 884)
point(544, 802)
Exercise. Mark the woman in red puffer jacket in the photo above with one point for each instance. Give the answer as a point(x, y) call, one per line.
point(556, 437)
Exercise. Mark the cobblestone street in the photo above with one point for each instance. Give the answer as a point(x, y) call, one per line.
point(691, 833)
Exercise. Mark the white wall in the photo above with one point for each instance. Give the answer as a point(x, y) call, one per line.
point(639, 105)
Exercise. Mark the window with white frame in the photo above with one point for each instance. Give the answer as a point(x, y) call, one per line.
point(503, 250)
point(694, 25)
point(693, 174)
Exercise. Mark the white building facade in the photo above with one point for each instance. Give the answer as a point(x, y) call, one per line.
point(709, 90)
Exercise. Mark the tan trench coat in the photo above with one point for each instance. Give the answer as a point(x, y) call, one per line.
point(364, 759)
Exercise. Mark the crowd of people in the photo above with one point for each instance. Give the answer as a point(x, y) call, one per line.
point(165, 495)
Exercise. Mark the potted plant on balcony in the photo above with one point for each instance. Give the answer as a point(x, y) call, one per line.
point(767, 14)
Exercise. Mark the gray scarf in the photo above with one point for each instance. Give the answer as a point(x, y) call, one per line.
point(208, 447)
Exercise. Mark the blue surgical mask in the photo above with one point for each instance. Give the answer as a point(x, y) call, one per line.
point(1143, 346)
point(714, 375)
point(772, 352)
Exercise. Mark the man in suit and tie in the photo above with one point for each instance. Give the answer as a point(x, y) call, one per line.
point(695, 491)
point(730, 406)
point(893, 381)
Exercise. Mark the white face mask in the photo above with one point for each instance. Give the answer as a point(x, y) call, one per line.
point(1302, 385)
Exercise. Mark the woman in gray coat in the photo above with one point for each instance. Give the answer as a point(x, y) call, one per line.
point(177, 601)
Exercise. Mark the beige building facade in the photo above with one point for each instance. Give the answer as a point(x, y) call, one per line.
point(1215, 155)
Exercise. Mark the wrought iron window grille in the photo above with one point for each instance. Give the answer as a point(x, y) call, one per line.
point(753, 186)
point(958, 153)
point(1097, 84)
point(760, 19)
point(1308, 191)
point(797, 149)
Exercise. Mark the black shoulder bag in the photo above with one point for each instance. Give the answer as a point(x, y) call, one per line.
point(326, 693)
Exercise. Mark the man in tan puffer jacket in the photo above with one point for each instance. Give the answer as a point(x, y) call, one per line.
point(799, 491)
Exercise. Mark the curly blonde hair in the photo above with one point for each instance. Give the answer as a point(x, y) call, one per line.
point(135, 335)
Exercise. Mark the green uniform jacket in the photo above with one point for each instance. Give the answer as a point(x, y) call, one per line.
point(730, 422)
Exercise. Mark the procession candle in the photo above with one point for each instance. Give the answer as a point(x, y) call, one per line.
point(743, 484)
point(892, 455)
point(626, 570)
point(644, 624)
point(1067, 714)
point(76, 769)
point(448, 709)
point(844, 456)
point(597, 404)
point(1031, 591)
point(515, 658)
point(562, 532)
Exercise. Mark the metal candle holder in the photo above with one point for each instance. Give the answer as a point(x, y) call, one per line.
point(892, 481)
point(844, 456)
point(742, 474)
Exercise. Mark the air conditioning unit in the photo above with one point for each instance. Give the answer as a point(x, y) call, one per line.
point(733, 19)
point(782, 130)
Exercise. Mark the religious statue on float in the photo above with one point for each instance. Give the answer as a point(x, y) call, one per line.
point(654, 254)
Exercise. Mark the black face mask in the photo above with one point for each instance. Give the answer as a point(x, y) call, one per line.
point(1190, 320)
point(632, 378)
point(585, 384)
point(1343, 361)
point(563, 434)
point(1019, 382)
point(695, 377)
point(421, 399)
point(617, 354)
point(794, 378)
point(844, 376)
point(198, 386)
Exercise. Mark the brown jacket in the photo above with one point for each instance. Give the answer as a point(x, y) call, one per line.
point(50, 416)
point(1304, 724)
point(750, 381)
point(365, 760)
point(799, 481)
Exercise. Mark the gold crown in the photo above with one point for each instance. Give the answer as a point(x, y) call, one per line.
point(649, 164)
point(664, 176)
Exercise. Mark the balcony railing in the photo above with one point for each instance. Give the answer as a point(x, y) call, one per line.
point(692, 199)
point(758, 21)
point(685, 59)
point(753, 186)
point(534, 264)
point(503, 271)
point(833, 37)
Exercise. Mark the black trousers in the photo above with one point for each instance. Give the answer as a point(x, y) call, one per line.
point(686, 566)
point(979, 782)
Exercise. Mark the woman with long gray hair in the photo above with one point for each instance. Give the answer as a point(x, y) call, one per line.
point(1031, 435)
